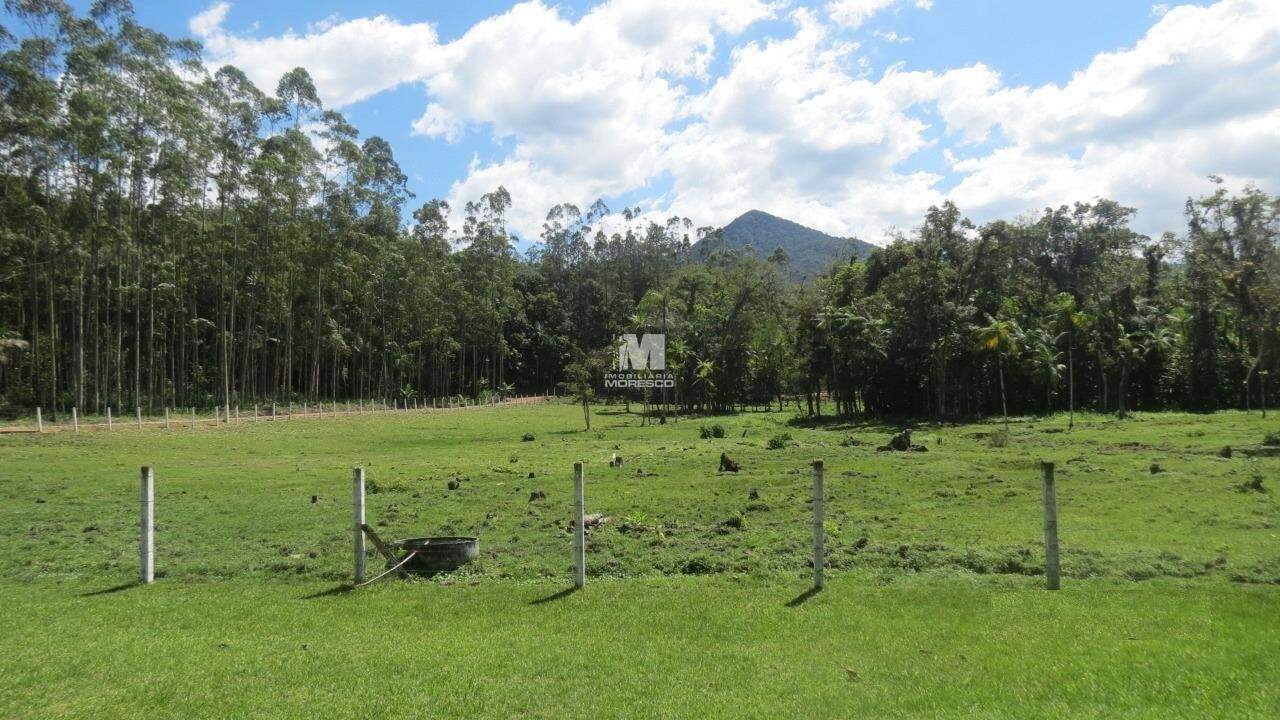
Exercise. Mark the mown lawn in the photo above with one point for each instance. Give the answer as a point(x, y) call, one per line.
point(640, 648)
point(1169, 606)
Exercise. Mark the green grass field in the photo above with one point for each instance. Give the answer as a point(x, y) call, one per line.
point(695, 604)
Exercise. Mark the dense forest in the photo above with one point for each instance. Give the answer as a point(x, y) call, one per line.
point(174, 237)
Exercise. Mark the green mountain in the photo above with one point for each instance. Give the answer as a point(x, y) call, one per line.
point(809, 251)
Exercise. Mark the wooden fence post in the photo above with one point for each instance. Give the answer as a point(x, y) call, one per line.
point(137, 416)
point(147, 539)
point(819, 528)
point(1052, 569)
point(75, 419)
point(579, 529)
point(167, 426)
point(39, 421)
point(108, 417)
point(357, 501)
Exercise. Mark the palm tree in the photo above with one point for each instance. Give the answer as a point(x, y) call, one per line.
point(1046, 359)
point(1002, 337)
point(1067, 319)
point(706, 370)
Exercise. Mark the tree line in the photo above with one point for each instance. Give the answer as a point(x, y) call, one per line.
point(173, 236)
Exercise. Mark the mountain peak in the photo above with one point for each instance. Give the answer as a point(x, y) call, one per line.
point(809, 251)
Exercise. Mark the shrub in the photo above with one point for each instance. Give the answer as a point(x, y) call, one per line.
point(1272, 440)
point(527, 437)
point(778, 442)
point(715, 431)
point(1000, 439)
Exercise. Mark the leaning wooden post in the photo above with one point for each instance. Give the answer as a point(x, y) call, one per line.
point(147, 539)
point(39, 421)
point(579, 529)
point(75, 419)
point(357, 498)
point(1052, 570)
point(819, 529)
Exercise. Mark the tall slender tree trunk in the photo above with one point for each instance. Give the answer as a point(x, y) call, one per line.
point(1004, 405)
point(1071, 379)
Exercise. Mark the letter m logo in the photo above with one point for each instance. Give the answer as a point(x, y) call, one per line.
point(650, 352)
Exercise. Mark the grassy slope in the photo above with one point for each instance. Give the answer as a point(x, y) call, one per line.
point(938, 614)
point(236, 502)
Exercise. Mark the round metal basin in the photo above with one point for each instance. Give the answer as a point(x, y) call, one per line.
point(439, 554)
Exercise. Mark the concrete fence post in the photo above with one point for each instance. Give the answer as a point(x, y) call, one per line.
point(108, 417)
point(75, 419)
point(147, 535)
point(357, 503)
point(167, 425)
point(137, 416)
point(819, 528)
point(39, 421)
point(579, 529)
point(1052, 569)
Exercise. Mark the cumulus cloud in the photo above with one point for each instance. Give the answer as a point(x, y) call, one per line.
point(1145, 125)
point(624, 98)
point(852, 14)
point(349, 61)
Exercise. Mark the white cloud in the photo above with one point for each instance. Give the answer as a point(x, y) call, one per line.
point(890, 36)
point(790, 130)
point(349, 61)
point(1144, 125)
point(210, 21)
point(852, 14)
point(589, 103)
point(623, 98)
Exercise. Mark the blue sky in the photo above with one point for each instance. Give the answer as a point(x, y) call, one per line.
point(848, 115)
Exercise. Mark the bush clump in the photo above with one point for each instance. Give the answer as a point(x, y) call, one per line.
point(527, 437)
point(715, 431)
point(780, 441)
